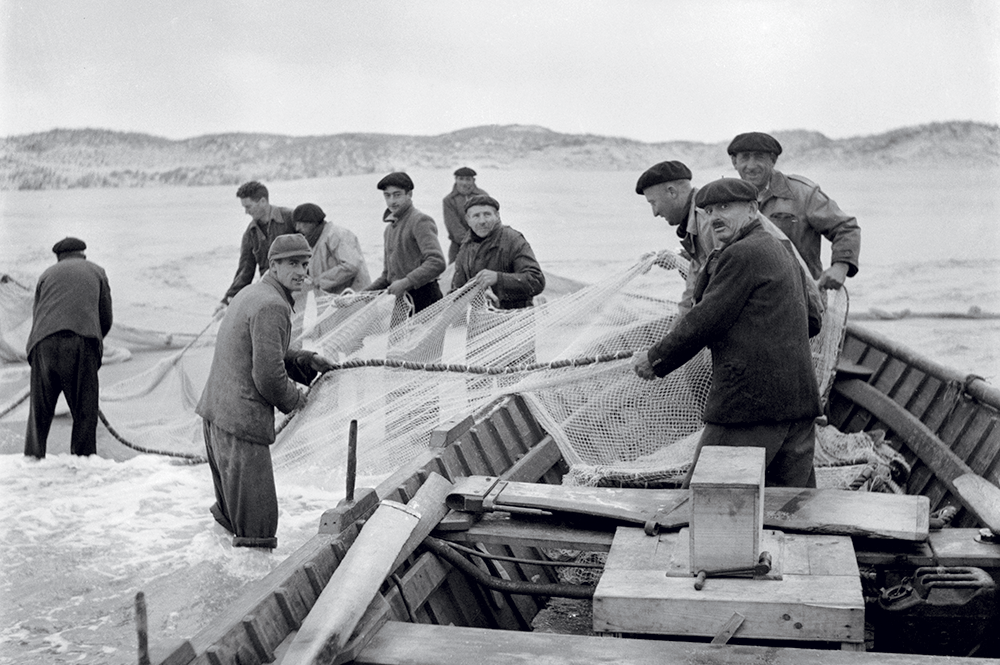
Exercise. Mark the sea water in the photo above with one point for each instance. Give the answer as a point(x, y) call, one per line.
point(80, 536)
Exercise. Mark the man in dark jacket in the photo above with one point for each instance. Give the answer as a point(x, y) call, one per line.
point(752, 311)
point(497, 257)
point(454, 208)
point(251, 375)
point(267, 222)
point(71, 317)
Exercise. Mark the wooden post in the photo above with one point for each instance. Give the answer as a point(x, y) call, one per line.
point(352, 459)
point(142, 628)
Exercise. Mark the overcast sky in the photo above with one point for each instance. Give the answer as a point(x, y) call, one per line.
point(654, 70)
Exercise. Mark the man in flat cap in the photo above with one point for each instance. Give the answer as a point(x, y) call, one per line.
point(799, 208)
point(252, 374)
point(752, 310)
point(413, 257)
point(337, 262)
point(454, 208)
point(497, 257)
point(267, 222)
point(70, 318)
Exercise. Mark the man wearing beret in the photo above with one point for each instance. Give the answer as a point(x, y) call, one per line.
point(413, 257)
point(252, 374)
point(454, 208)
point(267, 222)
point(337, 262)
point(752, 310)
point(70, 318)
point(799, 208)
point(497, 257)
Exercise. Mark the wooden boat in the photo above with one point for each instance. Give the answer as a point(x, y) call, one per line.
point(432, 610)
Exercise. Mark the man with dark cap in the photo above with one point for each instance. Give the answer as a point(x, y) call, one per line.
point(337, 262)
point(497, 257)
point(454, 208)
point(70, 318)
point(267, 222)
point(413, 256)
point(799, 208)
point(752, 311)
point(252, 374)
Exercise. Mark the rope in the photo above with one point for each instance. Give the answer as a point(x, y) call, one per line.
point(16, 403)
point(192, 458)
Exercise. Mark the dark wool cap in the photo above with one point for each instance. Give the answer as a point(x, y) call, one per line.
point(396, 179)
point(482, 200)
point(662, 172)
point(725, 190)
point(754, 142)
point(308, 212)
point(289, 245)
point(465, 171)
point(69, 245)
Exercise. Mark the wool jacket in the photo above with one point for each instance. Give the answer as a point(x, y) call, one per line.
point(254, 246)
point(752, 311)
point(411, 250)
point(454, 213)
point(505, 251)
point(73, 295)
point(337, 262)
point(252, 369)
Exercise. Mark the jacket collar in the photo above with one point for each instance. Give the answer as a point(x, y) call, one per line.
point(273, 282)
point(387, 216)
point(778, 188)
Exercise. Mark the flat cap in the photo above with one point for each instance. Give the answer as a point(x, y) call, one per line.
point(396, 179)
point(308, 212)
point(482, 200)
point(754, 142)
point(465, 171)
point(725, 190)
point(662, 172)
point(69, 245)
point(289, 245)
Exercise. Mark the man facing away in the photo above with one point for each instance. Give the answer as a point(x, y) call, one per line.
point(252, 374)
point(751, 308)
point(267, 222)
point(413, 257)
point(337, 262)
point(70, 318)
point(454, 208)
point(497, 257)
point(799, 208)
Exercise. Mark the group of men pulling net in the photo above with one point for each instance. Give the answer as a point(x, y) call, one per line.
point(401, 376)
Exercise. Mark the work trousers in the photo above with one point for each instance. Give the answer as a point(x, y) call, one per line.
point(246, 502)
point(66, 363)
point(789, 447)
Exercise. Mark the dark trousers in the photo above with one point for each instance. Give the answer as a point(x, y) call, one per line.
point(426, 295)
point(246, 502)
point(67, 363)
point(789, 448)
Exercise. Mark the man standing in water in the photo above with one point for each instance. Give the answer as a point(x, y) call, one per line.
point(799, 208)
point(267, 222)
point(337, 262)
point(454, 208)
point(71, 316)
point(752, 309)
point(251, 375)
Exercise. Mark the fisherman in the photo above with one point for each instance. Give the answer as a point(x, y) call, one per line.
point(497, 257)
point(70, 318)
point(413, 257)
point(337, 262)
point(751, 309)
point(267, 222)
point(252, 374)
point(454, 208)
point(799, 208)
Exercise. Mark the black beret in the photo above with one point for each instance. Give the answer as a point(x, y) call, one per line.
point(308, 212)
point(69, 245)
point(465, 171)
point(482, 200)
point(754, 142)
point(396, 179)
point(725, 190)
point(662, 172)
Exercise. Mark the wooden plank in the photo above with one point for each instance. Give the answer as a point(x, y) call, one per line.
point(413, 644)
point(983, 496)
point(548, 534)
point(535, 462)
point(959, 547)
